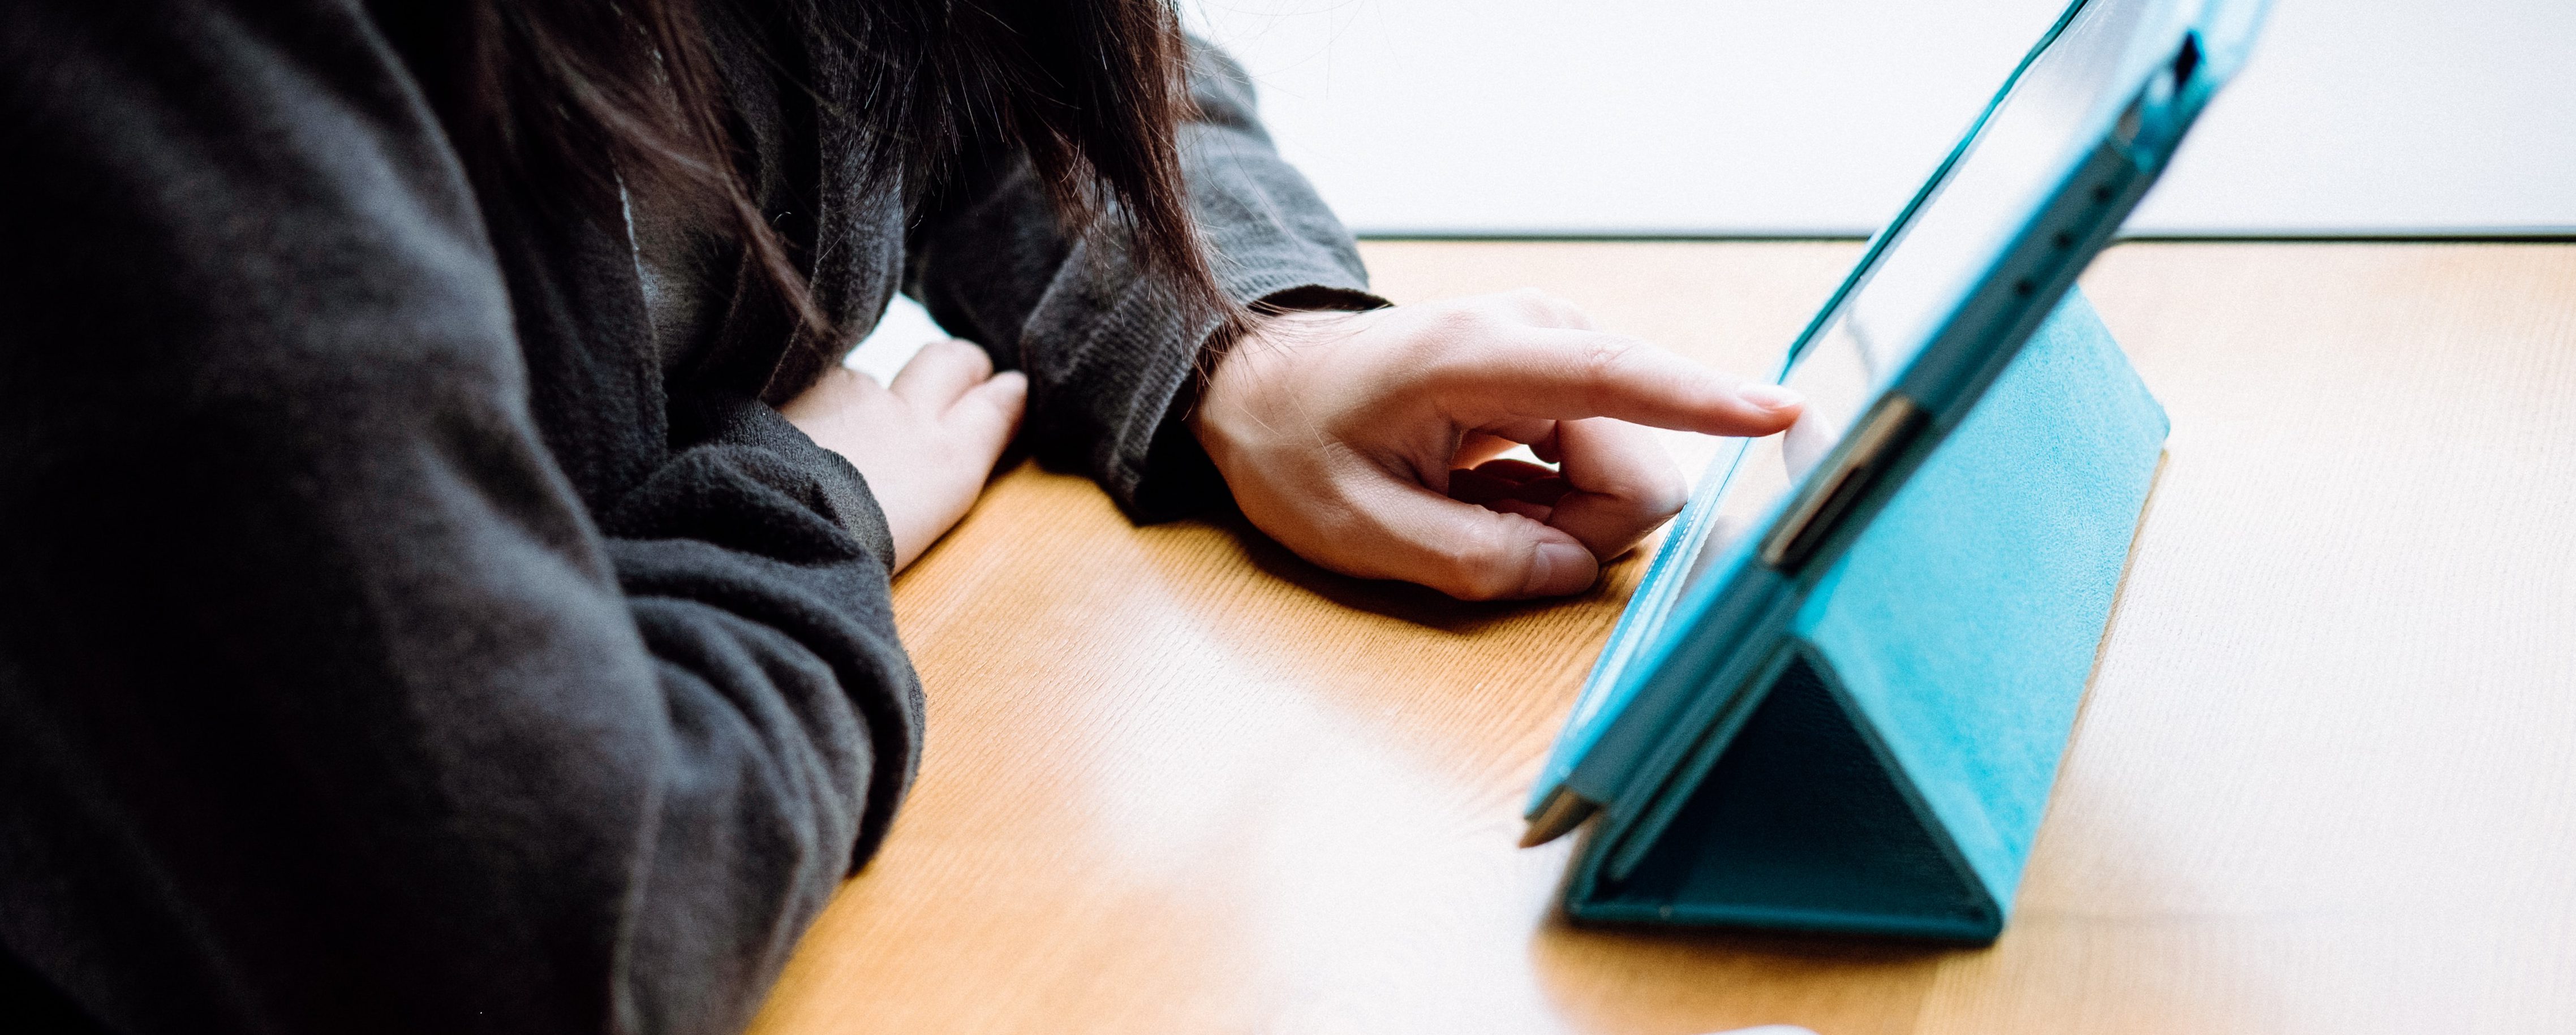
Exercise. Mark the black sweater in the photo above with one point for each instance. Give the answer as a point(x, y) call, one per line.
point(389, 638)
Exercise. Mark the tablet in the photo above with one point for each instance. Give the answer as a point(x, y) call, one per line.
point(1938, 306)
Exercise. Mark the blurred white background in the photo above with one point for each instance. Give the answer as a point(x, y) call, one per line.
point(1819, 117)
point(1798, 117)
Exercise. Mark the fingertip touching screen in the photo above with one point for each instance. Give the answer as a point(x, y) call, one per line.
point(1931, 260)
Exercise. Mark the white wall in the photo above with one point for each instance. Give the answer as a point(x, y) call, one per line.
point(1820, 116)
point(1726, 117)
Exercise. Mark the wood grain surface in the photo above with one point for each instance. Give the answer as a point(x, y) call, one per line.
point(1179, 781)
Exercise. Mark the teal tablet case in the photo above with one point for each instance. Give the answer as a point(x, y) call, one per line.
point(1888, 774)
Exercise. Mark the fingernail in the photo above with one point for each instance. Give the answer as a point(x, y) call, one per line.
point(1562, 568)
point(1770, 397)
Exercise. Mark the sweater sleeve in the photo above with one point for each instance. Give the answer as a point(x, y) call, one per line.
point(1109, 357)
point(325, 705)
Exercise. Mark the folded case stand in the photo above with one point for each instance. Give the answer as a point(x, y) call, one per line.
point(1890, 773)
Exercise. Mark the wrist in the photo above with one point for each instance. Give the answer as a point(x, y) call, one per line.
point(1256, 356)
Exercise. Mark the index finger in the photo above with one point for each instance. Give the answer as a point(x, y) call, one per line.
point(1567, 374)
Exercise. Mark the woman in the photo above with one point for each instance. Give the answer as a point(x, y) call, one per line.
point(443, 567)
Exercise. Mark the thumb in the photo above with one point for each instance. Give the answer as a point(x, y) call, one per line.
point(1470, 552)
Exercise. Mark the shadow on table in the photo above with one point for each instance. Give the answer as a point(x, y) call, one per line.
point(1621, 978)
point(1387, 598)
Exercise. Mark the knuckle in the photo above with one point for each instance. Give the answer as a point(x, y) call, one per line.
point(1477, 563)
point(1449, 349)
point(1598, 361)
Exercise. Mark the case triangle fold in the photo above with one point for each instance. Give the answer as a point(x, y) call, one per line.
point(1891, 773)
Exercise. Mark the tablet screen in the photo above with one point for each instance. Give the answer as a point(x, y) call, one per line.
point(1934, 258)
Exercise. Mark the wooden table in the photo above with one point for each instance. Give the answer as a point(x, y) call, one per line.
point(2325, 781)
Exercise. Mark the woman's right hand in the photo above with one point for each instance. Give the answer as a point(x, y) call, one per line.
point(1368, 442)
point(925, 443)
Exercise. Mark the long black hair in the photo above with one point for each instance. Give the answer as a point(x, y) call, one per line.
point(586, 97)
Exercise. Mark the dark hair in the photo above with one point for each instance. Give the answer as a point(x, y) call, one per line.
point(583, 96)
